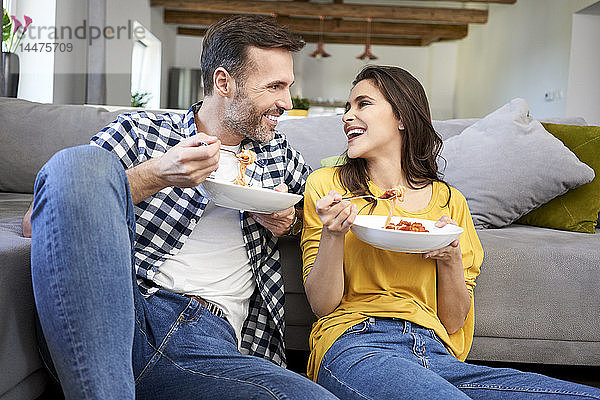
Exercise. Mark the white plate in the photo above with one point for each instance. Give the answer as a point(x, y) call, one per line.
point(369, 229)
point(259, 200)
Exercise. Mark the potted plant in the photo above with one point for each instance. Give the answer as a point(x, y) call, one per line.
point(300, 107)
point(140, 99)
point(12, 33)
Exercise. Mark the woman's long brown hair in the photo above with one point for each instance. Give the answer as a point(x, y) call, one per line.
point(421, 145)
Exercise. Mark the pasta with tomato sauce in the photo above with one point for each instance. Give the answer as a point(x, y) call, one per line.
point(245, 158)
point(406, 226)
point(395, 195)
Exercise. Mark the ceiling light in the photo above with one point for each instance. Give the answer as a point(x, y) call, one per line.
point(367, 53)
point(320, 51)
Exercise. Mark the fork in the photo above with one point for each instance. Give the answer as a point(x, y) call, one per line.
point(360, 197)
point(227, 150)
point(220, 148)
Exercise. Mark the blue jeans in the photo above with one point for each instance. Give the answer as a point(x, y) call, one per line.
point(394, 359)
point(107, 341)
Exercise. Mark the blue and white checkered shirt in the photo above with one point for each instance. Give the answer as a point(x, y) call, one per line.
point(165, 220)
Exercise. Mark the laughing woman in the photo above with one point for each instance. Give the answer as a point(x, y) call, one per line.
point(396, 325)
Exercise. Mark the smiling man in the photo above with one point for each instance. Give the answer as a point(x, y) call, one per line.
point(146, 289)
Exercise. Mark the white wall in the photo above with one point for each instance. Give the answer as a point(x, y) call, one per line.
point(523, 51)
point(70, 67)
point(441, 73)
point(583, 95)
point(60, 77)
point(329, 79)
point(166, 34)
point(187, 51)
point(118, 51)
point(36, 81)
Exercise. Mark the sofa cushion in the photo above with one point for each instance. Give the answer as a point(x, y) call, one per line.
point(538, 283)
point(298, 315)
point(577, 210)
point(30, 133)
point(20, 361)
point(507, 164)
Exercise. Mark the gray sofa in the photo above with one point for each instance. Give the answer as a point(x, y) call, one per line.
point(537, 298)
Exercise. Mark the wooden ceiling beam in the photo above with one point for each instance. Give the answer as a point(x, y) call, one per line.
point(337, 39)
point(330, 26)
point(342, 39)
point(458, 1)
point(343, 10)
point(478, 1)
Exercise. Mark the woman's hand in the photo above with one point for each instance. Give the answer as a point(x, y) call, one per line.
point(454, 300)
point(337, 215)
point(449, 255)
point(324, 284)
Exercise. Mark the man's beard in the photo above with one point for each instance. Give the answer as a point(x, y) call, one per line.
point(243, 118)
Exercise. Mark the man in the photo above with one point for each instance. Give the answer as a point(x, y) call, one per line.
point(205, 316)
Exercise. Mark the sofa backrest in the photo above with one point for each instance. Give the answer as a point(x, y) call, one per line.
point(315, 137)
point(30, 133)
point(320, 137)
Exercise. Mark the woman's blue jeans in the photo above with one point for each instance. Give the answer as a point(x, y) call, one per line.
point(394, 359)
point(105, 339)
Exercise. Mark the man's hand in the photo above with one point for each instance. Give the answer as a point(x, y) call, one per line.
point(189, 163)
point(26, 224)
point(184, 165)
point(280, 222)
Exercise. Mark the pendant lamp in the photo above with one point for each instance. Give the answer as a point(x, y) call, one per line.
point(367, 53)
point(320, 51)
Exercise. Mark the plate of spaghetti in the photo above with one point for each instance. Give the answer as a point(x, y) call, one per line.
point(240, 196)
point(403, 234)
point(247, 198)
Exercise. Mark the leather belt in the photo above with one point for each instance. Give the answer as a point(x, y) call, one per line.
point(212, 307)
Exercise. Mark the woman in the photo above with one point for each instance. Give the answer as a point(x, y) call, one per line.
point(397, 325)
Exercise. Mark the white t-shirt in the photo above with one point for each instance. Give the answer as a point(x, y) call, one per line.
point(213, 263)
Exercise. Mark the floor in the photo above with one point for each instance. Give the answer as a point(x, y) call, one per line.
point(580, 374)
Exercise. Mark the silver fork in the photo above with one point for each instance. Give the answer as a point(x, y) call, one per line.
point(227, 150)
point(220, 148)
point(361, 197)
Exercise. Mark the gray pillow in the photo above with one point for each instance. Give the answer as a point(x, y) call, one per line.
point(452, 127)
point(506, 165)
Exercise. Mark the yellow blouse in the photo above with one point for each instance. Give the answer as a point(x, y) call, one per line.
point(380, 283)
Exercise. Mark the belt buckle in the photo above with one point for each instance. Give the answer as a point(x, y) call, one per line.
point(211, 307)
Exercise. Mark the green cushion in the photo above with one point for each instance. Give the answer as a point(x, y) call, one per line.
point(577, 210)
point(333, 161)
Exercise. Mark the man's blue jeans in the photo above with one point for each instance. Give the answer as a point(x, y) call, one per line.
point(105, 339)
point(394, 359)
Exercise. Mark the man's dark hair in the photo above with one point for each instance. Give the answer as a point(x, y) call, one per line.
point(227, 41)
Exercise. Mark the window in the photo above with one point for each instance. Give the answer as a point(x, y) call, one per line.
point(146, 65)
